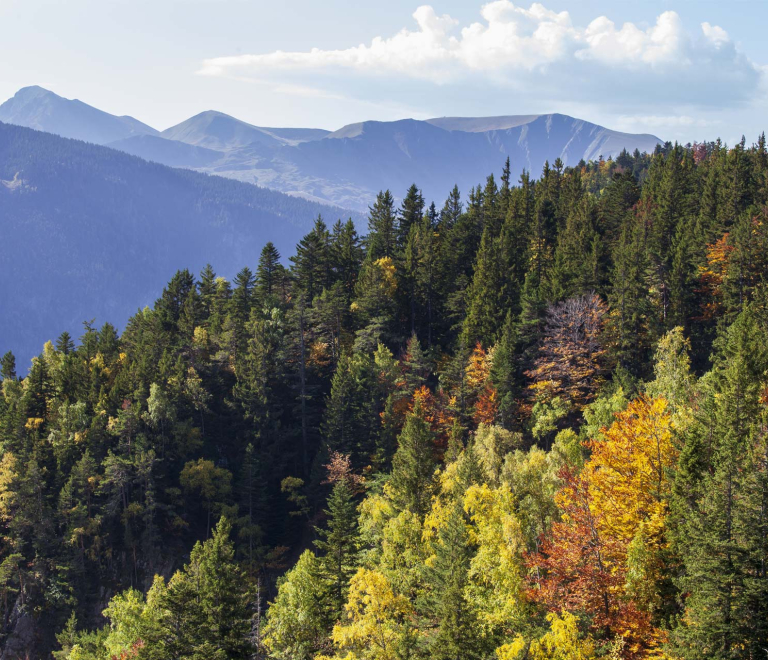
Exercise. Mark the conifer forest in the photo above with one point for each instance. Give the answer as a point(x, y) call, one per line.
point(525, 422)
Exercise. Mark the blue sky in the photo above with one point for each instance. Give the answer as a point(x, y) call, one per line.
point(683, 70)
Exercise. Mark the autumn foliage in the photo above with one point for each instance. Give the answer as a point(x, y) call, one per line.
point(570, 360)
point(584, 564)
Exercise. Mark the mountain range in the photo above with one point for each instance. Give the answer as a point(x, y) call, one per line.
point(346, 167)
point(90, 232)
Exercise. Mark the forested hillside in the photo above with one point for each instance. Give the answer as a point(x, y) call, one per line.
point(88, 232)
point(526, 424)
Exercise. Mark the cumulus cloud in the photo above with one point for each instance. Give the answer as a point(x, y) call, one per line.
point(535, 50)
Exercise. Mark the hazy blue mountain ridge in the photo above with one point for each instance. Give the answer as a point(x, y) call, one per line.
point(349, 166)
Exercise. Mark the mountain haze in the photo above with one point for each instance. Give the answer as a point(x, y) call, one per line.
point(89, 231)
point(346, 167)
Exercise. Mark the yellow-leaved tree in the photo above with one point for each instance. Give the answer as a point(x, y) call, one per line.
point(562, 642)
point(627, 473)
point(496, 572)
point(378, 624)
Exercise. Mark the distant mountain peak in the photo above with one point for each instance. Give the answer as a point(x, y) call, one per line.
point(44, 110)
point(33, 91)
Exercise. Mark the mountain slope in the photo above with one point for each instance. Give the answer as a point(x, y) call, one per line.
point(481, 124)
point(349, 166)
point(166, 152)
point(38, 108)
point(89, 231)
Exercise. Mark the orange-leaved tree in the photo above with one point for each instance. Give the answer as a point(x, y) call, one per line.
point(589, 562)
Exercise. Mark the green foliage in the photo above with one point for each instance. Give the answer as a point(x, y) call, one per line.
point(204, 611)
point(298, 622)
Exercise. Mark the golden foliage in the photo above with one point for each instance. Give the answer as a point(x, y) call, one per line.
point(627, 474)
point(377, 619)
point(560, 643)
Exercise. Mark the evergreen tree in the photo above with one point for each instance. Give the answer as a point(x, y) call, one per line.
point(720, 506)
point(8, 366)
point(456, 636)
point(270, 277)
point(298, 621)
point(338, 544)
point(411, 213)
point(312, 262)
point(382, 227)
point(452, 210)
point(413, 463)
point(64, 343)
point(485, 309)
point(346, 256)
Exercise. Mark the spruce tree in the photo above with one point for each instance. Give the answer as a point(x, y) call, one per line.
point(411, 212)
point(64, 343)
point(413, 464)
point(382, 227)
point(312, 262)
point(452, 210)
point(270, 277)
point(346, 255)
point(338, 544)
point(485, 309)
point(456, 636)
point(8, 366)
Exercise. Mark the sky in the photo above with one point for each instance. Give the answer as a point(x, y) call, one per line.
point(683, 70)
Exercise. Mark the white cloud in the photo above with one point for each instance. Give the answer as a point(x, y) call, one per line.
point(715, 34)
point(533, 50)
point(664, 43)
